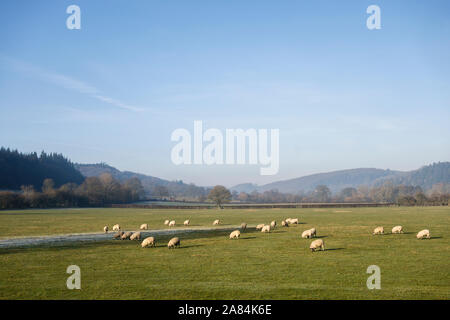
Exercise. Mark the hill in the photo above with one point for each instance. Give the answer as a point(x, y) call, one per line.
point(17, 169)
point(152, 185)
point(425, 177)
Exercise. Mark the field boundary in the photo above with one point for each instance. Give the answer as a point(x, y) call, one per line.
point(257, 206)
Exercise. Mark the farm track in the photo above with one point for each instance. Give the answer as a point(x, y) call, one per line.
point(93, 237)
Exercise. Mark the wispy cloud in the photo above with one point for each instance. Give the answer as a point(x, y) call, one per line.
point(65, 82)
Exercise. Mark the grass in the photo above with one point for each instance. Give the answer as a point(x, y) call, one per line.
point(278, 265)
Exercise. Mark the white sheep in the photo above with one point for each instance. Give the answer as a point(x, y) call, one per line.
point(166, 222)
point(174, 242)
point(307, 234)
point(148, 242)
point(105, 229)
point(172, 223)
point(284, 223)
point(126, 235)
point(266, 228)
point(186, 222)
point(235, 234)
point(273, 224)
point(378, 230)
point(316, 244)
point(136, 236)
point(397, 229)
point(423, 234)
point(293, 221)
point(313, 232)
point(260, 226)
point(216, 222)
point(143, 226)
point(116, 227)
point(288, 220)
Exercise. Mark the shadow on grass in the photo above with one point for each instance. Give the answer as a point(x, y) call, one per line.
point(431, 238)
point(247, 238)
point(332, 249)
point(321, 237)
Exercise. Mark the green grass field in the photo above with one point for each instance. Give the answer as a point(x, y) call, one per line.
point(208, 265)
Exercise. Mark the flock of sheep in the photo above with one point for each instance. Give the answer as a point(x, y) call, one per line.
point(317, 244)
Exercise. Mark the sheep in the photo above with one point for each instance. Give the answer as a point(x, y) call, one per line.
point(397, 229)
point(259, 226)
point(143, 226)
point(307, 234)
point(148, 242)
point(136, 236)
point(284, 223)
point(186, 222)
point(235, 234)
point(118, 235)
point(126, 235)
point(116, 227)
point(216, 222)
point(313, 232)
point(273, 224)
point(288, 220)
point(266, 228)
point(105, 229)
point(316, 244)
point(172, 223)
point(243, 226)
point(293, 221)
point(378, 230)
point(166, 222)
point(174, 242)
point(423, 234)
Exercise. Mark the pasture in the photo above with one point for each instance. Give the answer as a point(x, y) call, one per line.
point(277, 265)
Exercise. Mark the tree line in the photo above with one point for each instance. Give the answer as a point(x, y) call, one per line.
point(92, 192)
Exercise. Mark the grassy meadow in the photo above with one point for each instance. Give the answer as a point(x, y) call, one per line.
point(208, 265)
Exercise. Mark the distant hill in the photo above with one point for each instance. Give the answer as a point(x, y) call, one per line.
point(17, 169)
point(424, 177)
point(149, 183)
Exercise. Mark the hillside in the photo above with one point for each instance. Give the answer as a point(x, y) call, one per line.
point(424, 177)
point(149, 183)
point(17, 169)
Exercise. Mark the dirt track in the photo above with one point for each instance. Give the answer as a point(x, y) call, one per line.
point(92, 237)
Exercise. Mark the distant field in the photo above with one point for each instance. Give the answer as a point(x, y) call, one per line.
point(278, 265)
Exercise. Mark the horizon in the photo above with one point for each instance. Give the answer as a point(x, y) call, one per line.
point(342, 96)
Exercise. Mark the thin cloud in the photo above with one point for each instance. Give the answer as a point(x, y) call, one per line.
point(65, 82)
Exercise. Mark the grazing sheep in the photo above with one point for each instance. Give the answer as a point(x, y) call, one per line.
point(126, 235)
point(243, 226)
point(378, 230)
point(307, 234)
point(259, 226)
point(116, 227)
point(172, 223)
point(316, 244)
point(235, 234)
point(397, 229)
point(136, 236)
point(273, 224)
point(105, 229)
point(174, 242)
point(148, 242)
point(424, 234)
point(216, 222)
point(143, 226)
point(293, 221)
point(118, 235)
point(284, 223)
point(186, 222)
point(266, 228)
point(166, 222)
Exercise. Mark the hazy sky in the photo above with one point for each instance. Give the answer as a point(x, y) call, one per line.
point(341, 95)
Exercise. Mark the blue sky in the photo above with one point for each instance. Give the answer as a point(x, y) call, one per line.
point(341, 95)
